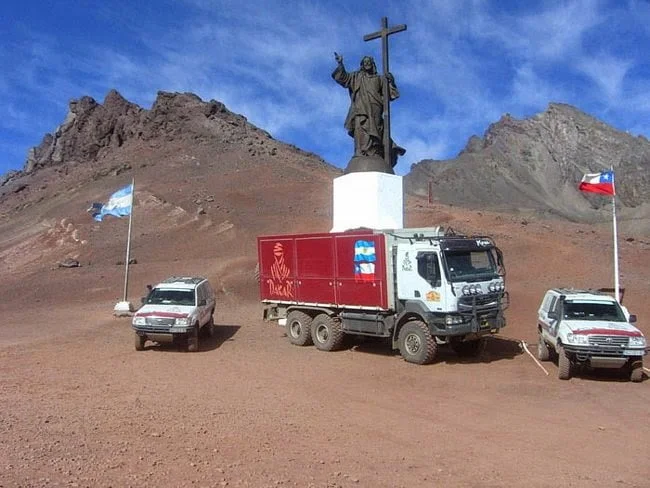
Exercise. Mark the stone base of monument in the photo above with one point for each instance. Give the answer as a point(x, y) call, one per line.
point(123, 309)
point(370, 199)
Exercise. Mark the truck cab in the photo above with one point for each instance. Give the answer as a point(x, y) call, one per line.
point(588, 328)
point(455, 283)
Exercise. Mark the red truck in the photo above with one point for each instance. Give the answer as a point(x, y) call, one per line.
point(420, 288)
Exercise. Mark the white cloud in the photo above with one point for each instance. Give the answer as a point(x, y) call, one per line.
point(608, 73)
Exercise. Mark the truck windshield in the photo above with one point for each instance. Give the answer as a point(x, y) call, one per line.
point(593, 311)
point(470, 265)
point(171, 297)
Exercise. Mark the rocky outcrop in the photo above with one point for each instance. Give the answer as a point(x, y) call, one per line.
point(92, 130)
point(537, 163)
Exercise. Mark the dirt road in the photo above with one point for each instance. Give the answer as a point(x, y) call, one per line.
point(80, 407)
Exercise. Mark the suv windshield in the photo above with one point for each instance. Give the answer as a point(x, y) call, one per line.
point(593, 311)
point(470, 265)
point(171, 297)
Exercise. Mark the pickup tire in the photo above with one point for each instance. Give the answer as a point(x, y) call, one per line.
point(416, 344)
point(543, 352)
point(326, 333)
point(299, 328)
point(468, 349)
point(193, 339)
point(139, 342)
point(563, 364)
point(636, 371)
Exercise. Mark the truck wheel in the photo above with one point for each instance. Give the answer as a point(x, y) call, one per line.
point(193, 339)
point(636, 371)
point(416, 344)
point(299, 328)
point(563, 364)
point(139, 342)
point(543, 354)
point(326, 333)
point(467, 348)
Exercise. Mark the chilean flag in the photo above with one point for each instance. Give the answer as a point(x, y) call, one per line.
point(602, 183)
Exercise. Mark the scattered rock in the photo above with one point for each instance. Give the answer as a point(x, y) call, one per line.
point(69, 263)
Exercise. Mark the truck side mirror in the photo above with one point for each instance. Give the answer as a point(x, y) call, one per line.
point(202, 303)
point(552, 314)
point(632, 318)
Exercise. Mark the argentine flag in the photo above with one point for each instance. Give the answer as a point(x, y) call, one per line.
point(119, 205)
point(364, 260)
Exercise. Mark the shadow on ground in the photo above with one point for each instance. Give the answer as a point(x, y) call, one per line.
point(222, 333)
point(494, 349)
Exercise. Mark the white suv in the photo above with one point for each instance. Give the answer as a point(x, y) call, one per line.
point(588, 328)
point(177, 308)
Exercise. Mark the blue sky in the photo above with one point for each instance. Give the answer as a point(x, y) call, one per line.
point(460, 65)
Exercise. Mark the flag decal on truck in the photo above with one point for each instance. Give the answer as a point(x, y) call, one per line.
point(364, 260)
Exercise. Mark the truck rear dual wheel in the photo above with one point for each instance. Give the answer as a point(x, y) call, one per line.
point(326, 333)
point(416, 344)
point(299, 328)
point(563, 364)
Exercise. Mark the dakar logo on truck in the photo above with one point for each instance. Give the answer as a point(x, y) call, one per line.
point(279, 283)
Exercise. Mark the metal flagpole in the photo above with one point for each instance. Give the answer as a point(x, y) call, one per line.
point(128, 241)
point(616, 283)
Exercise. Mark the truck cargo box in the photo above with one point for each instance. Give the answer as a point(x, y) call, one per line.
point(342, 269)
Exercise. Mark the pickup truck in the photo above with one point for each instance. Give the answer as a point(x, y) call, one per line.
point(588, 328)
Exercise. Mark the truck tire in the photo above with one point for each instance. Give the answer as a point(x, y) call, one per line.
point(636, 371)
point(193, 339)
point(326, 333)
point(467, 348)
point(543, 353)
point(139, 342)
point(563, 364)
point(416, 344)
point(299, 328)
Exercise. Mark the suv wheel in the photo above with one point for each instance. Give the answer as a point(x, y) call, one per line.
point(636, 371)
point(543, 353)
point(139, 342)
point(563, 364)
point(208, 329)
point(193, 339)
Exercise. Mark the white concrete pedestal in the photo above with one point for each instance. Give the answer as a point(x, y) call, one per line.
point(368, 199)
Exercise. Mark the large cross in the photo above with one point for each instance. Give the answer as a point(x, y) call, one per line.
point(384, 33)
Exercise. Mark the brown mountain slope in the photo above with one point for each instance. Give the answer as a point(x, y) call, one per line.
point(536, 164)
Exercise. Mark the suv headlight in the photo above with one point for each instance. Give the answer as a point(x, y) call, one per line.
point(184, 322)
point(637, 341)
point(577, 339)
point(139, 321)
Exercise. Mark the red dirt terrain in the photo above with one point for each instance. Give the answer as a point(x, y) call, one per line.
point(80, 407)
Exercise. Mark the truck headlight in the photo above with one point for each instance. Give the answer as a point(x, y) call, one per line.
point(453, 319)
point(637, 341)
point(139, 321)
point(577, 339)
point(183, 322)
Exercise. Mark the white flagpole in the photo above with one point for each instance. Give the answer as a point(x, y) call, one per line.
point(616, 283)
point(128, 241)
